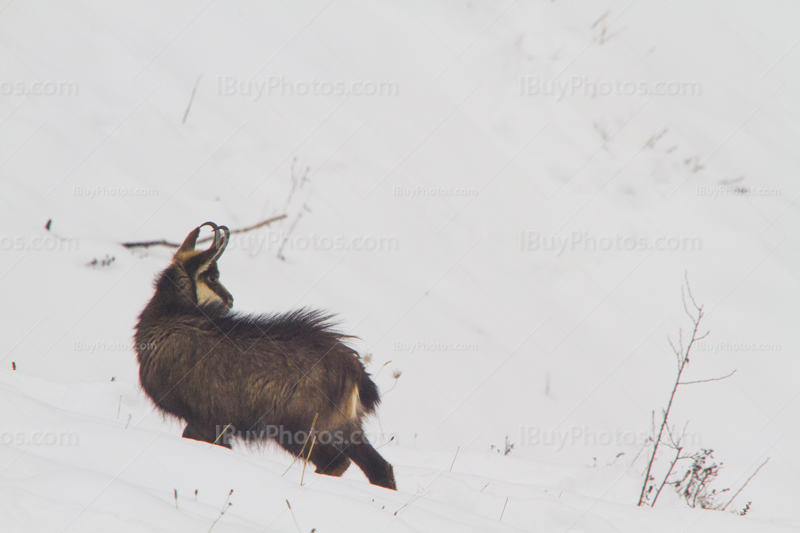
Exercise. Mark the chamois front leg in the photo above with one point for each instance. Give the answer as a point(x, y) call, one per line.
point(208, 434)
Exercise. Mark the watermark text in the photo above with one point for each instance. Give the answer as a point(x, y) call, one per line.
point(530, 85)
point(583, 241)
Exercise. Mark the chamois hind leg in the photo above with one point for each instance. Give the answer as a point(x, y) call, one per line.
point(378, 471)
point(329, 460)
point(206, 433)
point(326, 457)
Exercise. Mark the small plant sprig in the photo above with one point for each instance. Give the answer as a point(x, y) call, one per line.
point(396, 373)
point(507, 447)
point(694, 486)
point(106, 261)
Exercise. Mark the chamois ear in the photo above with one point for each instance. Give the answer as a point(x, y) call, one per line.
point(189, 242)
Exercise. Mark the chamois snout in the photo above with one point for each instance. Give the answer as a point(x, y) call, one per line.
point(277, 377)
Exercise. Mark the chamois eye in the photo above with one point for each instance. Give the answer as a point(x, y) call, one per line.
point(213, 278)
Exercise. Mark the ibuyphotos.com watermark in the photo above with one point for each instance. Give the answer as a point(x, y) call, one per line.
point(39, 88)
point(38, 438)
point(111, 346)
point(422, 191)
point(583, 241)
point(736, 346)
point(286, 436)
point(725, 191)
point(282, 86)
point(273, 241)
point(43, 243)
point(576, 436)
point(103, 191)
point(433, 346)
point(584, 86)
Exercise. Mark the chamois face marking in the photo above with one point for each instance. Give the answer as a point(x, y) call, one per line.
point(209, 289)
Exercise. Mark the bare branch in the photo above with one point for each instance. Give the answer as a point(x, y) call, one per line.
point(683, 298)
point(644, 447)
point(671, 345)
point(683, 359)
point(669, 473)
point(676, 444)
point(250, 228)
point(164, 242)
point(298, 180)
point(286, 237)
point(148, 244)
point(677, 353)
point(745, 484)
point(191, 99)
point(689, 290)
point(706, 380)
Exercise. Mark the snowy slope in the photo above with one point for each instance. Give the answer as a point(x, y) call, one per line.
point(502, 201)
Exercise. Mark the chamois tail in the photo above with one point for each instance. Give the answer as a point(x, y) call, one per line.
point(368, 394)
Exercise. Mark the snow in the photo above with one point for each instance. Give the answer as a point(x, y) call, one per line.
point(508, 224)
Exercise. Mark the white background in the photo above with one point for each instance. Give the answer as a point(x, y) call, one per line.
point(541, 176)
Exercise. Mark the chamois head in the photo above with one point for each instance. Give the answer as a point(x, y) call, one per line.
point(195, 273)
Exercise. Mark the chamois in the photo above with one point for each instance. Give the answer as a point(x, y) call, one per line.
point(258, 378)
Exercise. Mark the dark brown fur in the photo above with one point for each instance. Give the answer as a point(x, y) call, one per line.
point(233, 375)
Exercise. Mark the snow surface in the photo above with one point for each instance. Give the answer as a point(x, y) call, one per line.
point(563, 350)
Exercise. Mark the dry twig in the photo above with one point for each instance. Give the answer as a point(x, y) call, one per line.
point(454, 458)
point(745, 484)
point(303, 474)
point(225, 508)
point(293, 518)
point(164, 242)
point(191, 99)
point(313, 423)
